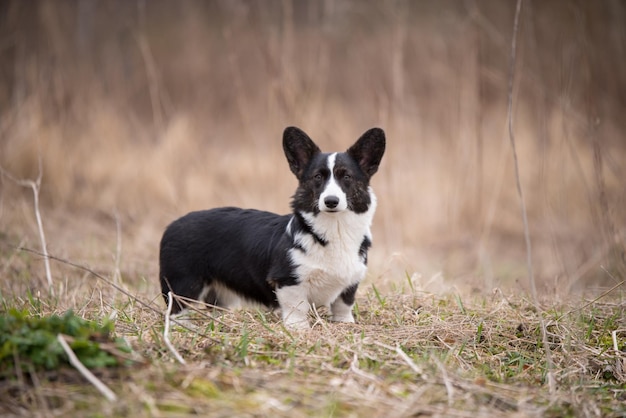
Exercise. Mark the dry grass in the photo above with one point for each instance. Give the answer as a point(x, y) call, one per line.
point(411, 353)
point(180, 106)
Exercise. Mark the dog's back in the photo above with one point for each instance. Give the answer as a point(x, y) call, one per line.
point(236, 246)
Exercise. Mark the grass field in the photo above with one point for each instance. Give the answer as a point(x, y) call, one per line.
point(135, 113)
point(411, 353)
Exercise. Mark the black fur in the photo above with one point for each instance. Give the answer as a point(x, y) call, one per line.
point(349, 294)
point(216, 245)
point(365, 246)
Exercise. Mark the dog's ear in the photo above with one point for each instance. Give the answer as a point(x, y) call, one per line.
point(368, 150)
point(299, 149)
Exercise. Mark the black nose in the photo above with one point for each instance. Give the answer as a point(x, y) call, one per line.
point(331, 202)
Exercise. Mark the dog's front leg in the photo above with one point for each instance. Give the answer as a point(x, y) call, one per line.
point(294, 305)
point(341, 308)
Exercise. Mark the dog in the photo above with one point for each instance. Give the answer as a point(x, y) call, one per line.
point(317, 255)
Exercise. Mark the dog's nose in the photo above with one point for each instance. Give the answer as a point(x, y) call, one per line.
point(331, 202)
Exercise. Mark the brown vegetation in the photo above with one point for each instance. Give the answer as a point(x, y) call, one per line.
point(149, 110)
point(142, 111)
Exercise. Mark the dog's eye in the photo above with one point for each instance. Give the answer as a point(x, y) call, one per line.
point(318, 177)
point(347, 177)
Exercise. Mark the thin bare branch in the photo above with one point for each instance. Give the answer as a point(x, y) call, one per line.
point(74, 361)
point(520, 192)
point(117, 274)
point(591, 302)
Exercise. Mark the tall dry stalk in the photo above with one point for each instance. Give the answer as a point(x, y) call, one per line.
point(520, 192)
point(608, 231)
point(35, 186)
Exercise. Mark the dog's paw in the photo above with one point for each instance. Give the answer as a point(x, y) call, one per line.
point(346, 318)
point(299, 325)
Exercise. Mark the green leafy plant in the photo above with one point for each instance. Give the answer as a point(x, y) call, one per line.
point(31, 341)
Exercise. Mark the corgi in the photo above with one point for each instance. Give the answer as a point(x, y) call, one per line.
point(317, 255)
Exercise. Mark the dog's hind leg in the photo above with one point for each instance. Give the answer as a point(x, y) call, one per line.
point(226, 298)
point(187, 288)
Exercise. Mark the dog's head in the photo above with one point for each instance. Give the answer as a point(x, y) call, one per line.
point(333, 182)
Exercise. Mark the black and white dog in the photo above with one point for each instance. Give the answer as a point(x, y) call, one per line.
point(316, 255)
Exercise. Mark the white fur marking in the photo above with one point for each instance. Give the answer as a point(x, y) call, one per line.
point(205, 292)
point(227, 298)
point(333, 189)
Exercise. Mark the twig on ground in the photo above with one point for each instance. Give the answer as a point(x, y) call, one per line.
point(410, 362)
point(74, 361)
point(405, 358)
point(354, 368)
point(166, 330)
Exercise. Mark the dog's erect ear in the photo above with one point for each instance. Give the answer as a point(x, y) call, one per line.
point(369, 150)
point(299, 149)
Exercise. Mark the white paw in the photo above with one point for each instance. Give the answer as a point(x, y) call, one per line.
point(302, 324)
point(348, 318)
point(341, 312)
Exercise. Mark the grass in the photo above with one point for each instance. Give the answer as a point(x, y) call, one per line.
point(411, 353)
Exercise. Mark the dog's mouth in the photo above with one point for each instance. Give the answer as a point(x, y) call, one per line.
point(331, 210)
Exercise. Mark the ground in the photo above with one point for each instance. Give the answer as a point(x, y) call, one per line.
point(411, 353)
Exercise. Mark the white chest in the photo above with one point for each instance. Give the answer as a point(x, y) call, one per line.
point(326, 270)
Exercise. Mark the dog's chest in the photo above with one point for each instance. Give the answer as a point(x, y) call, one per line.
point(326, 270)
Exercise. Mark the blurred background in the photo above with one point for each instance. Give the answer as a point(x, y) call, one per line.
point(140, 111)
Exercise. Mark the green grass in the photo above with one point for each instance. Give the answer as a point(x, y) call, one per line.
point(28, 341)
